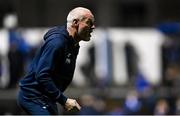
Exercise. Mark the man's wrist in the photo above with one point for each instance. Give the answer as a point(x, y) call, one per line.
point(62, 99)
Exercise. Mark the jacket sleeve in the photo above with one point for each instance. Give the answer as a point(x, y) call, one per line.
point(43, 72)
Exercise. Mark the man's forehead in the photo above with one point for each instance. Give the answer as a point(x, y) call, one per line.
point(90, 17)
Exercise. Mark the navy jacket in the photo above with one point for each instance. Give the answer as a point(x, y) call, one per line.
point(52, 68)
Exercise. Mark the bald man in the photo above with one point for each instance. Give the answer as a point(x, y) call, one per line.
point(52, 69)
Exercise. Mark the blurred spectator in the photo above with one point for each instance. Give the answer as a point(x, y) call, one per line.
point(100, 106)
point(170, 53)
point(18, 49)
point(91, 105)
point(140, 83)
point(98, 69)
point(132, 61)
point(162, 107)
point(103, 64)
point(172, 75)
point(88, 68)
point(132, 105)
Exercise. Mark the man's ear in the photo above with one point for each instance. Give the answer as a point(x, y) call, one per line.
point(75, 22)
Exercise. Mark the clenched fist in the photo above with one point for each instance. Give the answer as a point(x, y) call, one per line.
point(72, 104)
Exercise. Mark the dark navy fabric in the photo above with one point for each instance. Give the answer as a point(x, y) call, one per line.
point(52, 69)
point(37, 106)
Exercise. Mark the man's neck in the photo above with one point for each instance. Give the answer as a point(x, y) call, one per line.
point(73, 33)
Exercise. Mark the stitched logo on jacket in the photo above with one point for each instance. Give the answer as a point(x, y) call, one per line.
point(68, 60)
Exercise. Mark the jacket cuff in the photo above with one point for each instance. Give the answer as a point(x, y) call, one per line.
point(62, 99)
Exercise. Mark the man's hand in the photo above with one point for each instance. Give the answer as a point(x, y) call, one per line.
point(72, 104)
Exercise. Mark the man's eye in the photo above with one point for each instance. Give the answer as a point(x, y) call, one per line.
point(90, 24)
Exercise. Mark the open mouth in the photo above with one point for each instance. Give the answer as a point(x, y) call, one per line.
point(90, 34)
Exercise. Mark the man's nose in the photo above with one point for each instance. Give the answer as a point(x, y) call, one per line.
point(93, 27)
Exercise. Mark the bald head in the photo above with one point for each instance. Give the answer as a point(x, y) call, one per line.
point(80, 24)
point(79, 13)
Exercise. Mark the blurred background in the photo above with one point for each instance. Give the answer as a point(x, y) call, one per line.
point(130, 66)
